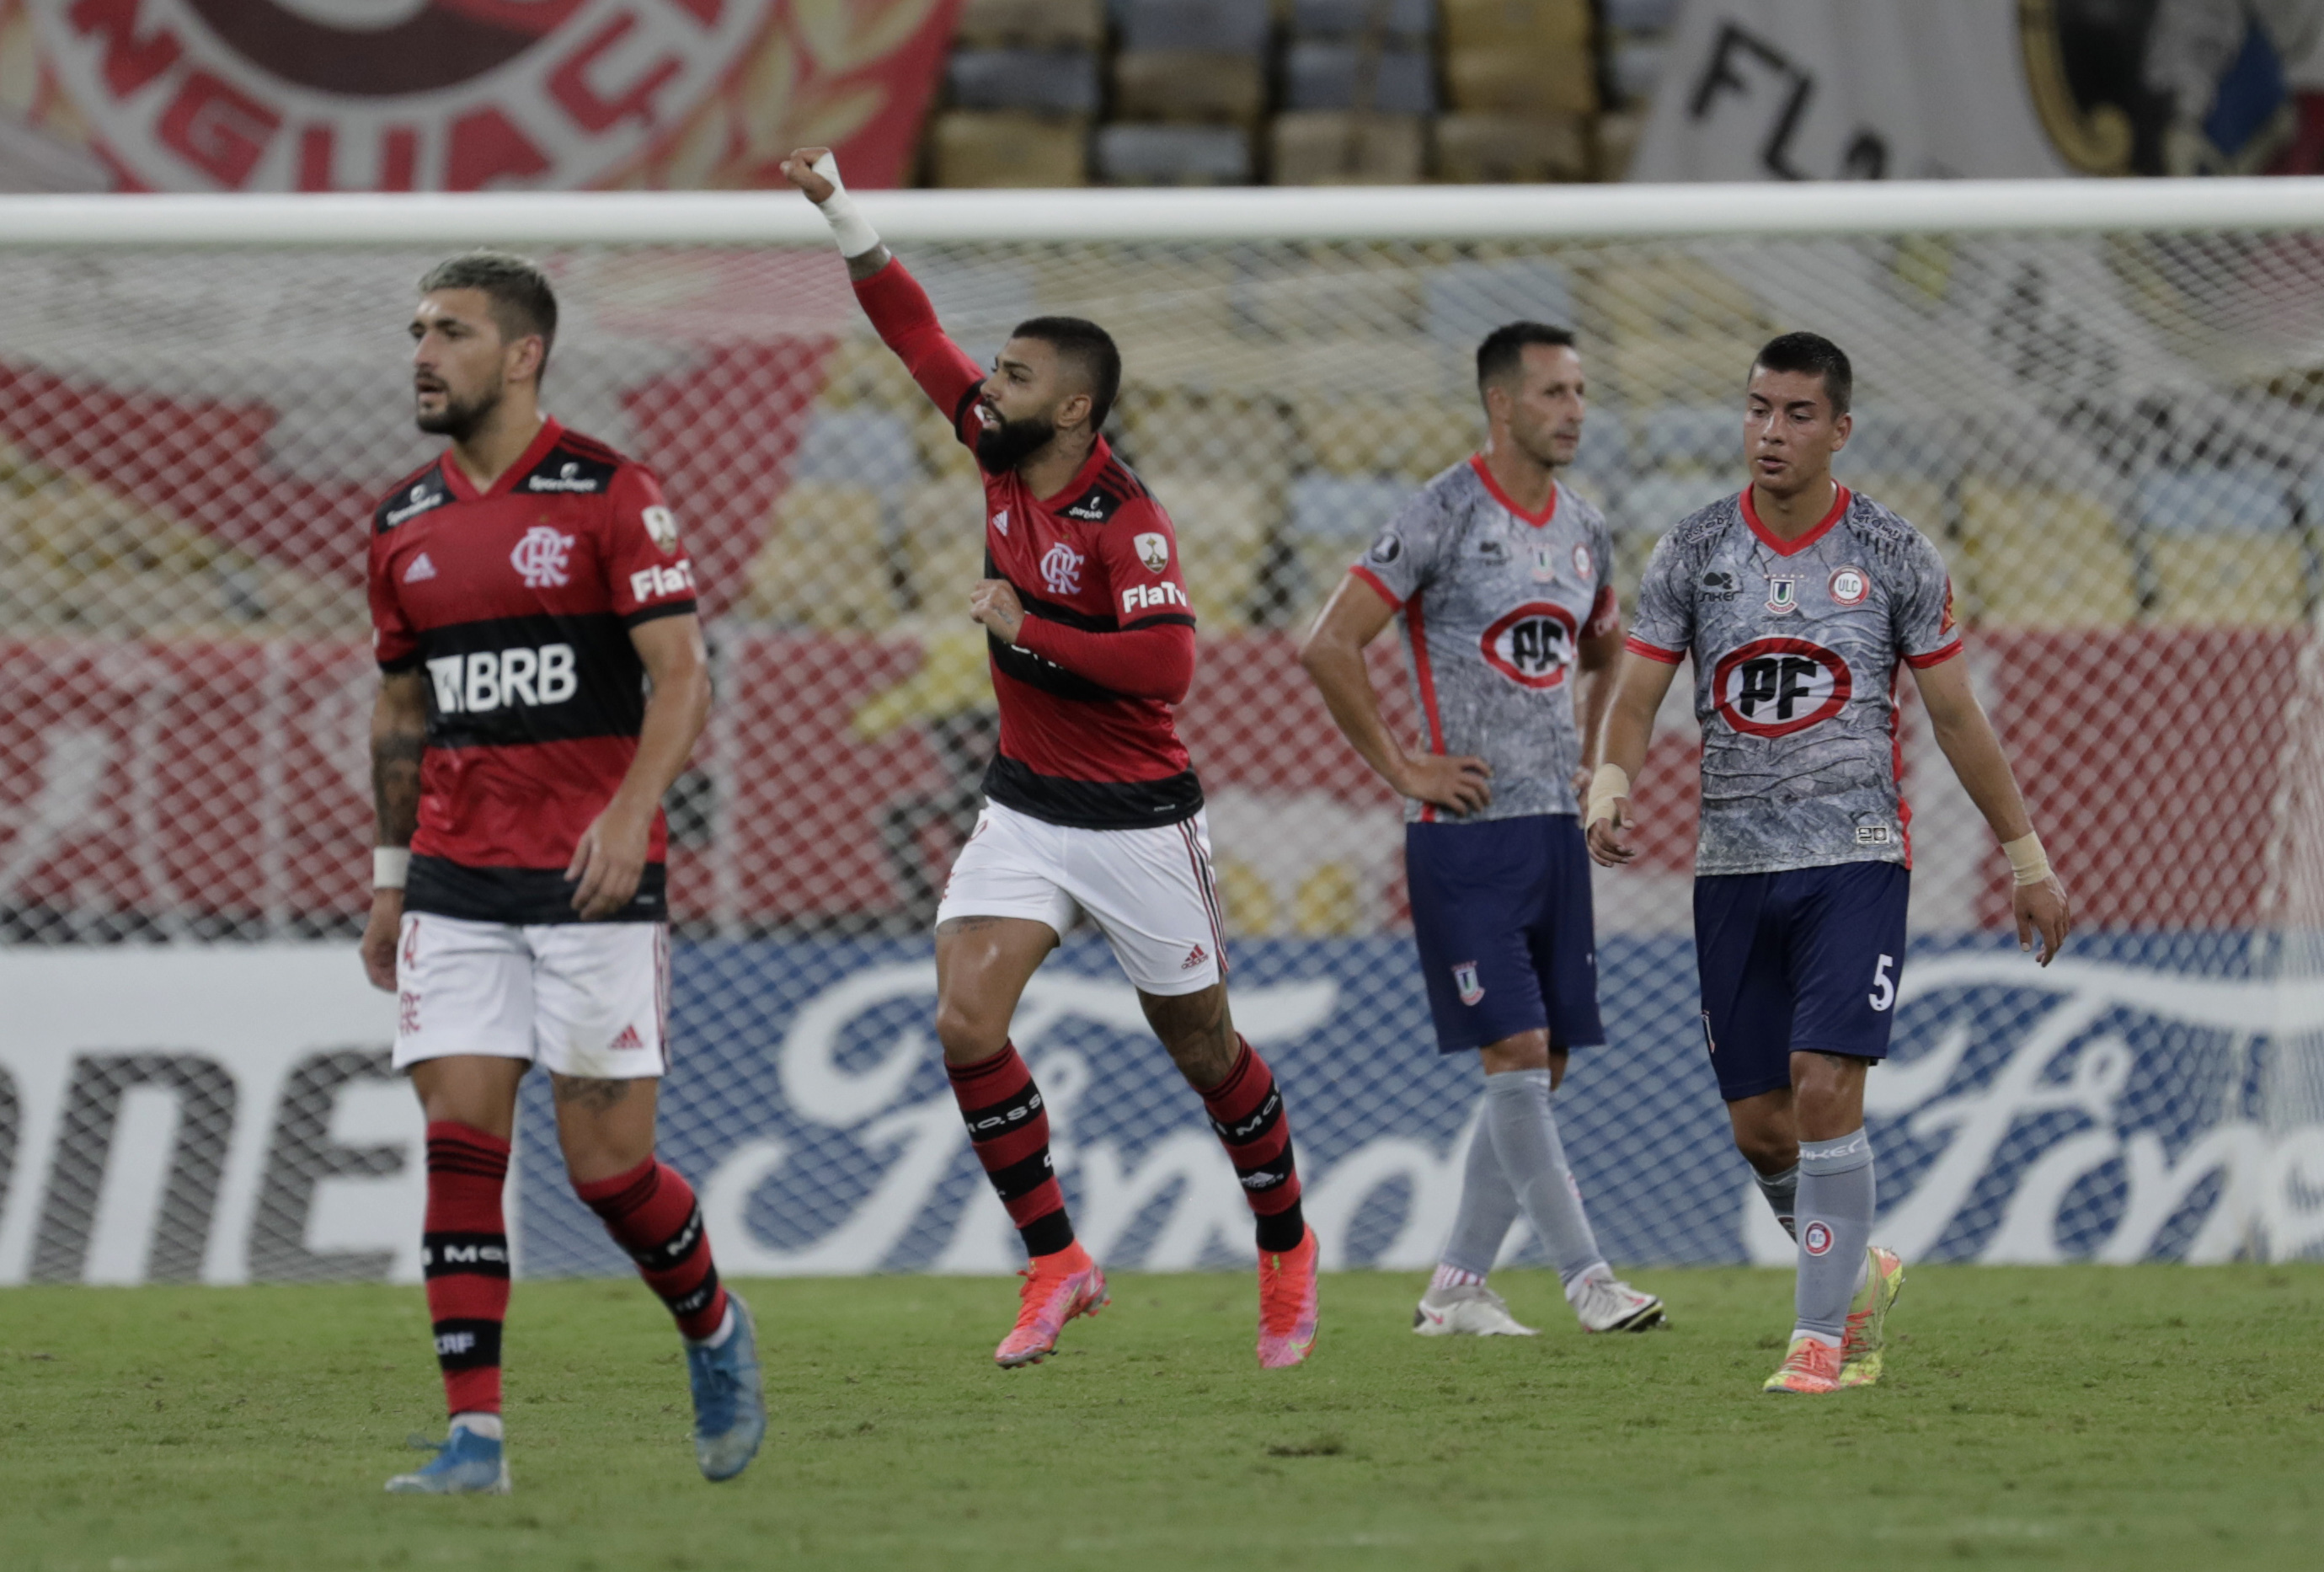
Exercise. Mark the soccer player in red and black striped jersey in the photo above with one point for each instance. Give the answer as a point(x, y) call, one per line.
point(1091, 802)
point(525, 587)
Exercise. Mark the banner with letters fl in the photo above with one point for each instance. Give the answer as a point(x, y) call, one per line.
point(226, 1113)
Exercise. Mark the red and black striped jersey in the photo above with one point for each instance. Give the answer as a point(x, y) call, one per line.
point(1100, 556)
point(515, 604)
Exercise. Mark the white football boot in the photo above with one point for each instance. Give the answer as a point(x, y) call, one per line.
point(1605, 1303)
point(1471, 1311)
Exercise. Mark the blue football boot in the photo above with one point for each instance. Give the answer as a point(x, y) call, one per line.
point(730, 1410)
point(466, 1464)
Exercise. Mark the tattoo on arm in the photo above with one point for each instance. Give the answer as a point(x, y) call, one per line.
point(589, 1093)
point(395, 785)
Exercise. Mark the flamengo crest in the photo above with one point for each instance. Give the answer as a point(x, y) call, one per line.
point(1061, 570)
point(544, 557)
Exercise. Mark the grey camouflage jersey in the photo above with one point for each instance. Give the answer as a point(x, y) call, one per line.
point(1493, 602)
point(1795, 649)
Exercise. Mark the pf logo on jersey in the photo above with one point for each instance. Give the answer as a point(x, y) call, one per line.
point(1772, 688)
point(1061, 570)
point(1532, 645)
point(543, 557)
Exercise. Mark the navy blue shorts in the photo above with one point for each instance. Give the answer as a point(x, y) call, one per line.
point(1804, 961)
point(1501, 911)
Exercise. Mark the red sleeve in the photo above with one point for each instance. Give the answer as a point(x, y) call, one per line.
point(1638, 646)
point(1153, 662)
point(900, 309)
point(646, 572)
point(393, 642)
point(1146, 582)
point(1605, 613)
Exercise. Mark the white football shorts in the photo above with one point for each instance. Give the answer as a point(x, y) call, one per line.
point(1150, 891)
point(581, 998)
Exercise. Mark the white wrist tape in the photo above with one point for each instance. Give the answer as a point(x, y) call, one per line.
point(1609, 781)
point(389, 866)
point(855, 236)
point(2026, 858)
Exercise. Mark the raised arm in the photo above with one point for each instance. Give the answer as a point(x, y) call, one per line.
point(1966, 735)
point(890, 296)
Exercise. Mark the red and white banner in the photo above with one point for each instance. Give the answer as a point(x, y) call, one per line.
point(456, 94)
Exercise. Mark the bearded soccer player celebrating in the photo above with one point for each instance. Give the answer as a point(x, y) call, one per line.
point(1797, 600)
point(1090, 801)
point(1500, 577)
point(524, 589)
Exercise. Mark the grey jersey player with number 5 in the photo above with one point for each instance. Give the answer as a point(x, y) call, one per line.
point(1798, 601)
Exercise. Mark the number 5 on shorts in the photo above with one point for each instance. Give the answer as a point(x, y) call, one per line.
point(1884, 986)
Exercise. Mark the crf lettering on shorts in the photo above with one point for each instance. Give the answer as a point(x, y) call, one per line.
point(487, 681)
point(653, 583)
point(1139, 597)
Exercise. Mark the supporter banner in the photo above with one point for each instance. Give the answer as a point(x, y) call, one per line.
point(1866, 89)
point(839, 771)
point(226, 1114)
point(456, 94)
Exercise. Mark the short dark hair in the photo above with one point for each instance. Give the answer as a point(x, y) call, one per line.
point(1813, 352)
point(1091, 350)
point(522, 302)
point(1503, 350)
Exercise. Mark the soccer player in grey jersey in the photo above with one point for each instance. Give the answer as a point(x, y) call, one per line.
point(1500, 577)
point(1797, 600)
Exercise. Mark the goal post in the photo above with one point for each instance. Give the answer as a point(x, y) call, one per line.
point(2103, 401)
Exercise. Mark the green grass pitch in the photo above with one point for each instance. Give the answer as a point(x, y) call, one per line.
point(2147, 1417)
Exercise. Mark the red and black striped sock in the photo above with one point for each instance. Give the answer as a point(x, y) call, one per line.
point(1010, 1128)
point(652, 1213)
point(1245, 1110)
point(464, 1255)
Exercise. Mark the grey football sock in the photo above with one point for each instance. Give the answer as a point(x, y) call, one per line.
point(1525, 1135)
point(1835, 1216)
point(1488, 1205)
point(1783, 1193)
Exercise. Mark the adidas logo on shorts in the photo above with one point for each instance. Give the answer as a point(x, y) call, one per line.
point(629, 1038)
point(1194, 958)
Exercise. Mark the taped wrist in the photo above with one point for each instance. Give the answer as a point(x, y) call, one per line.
point(1606, 784)
point(2027, 860)
point(389, 867)
point(855, 236)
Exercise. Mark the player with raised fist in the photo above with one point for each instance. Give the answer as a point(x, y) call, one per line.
point(1090, 801)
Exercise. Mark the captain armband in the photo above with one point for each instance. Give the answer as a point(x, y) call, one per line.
point(2027, 860)
point(1608, 783)
point(855, 235)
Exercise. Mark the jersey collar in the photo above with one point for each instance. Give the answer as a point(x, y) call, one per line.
point(1100, 455)
point(1549, 512)
point(1783, 547)
point(462, 489)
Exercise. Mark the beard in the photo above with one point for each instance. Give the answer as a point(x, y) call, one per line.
point(1002, 448)
point(460, 418)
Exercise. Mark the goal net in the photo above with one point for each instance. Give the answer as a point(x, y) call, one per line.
point(2110, 433)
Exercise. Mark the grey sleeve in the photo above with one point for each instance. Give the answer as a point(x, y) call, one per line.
point(1925, 631)
point(1404, 556)
point(1665, 621)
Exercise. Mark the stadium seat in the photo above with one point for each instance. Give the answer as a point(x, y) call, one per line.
point(868, 446)
point(1702, 368)
point(1522, 26)
point(1031, 24)
point(1221, 529)
point(1216, 26)
point(1170, 432)
point(1133, 154)
point(1559, 84)
point(825, 564)
point(1467, 300)
point(1328, 75)
point(2207, 499)
point(1331, 521)
point(941, 530)
point(1168, 84)
point(1414, 20)
point(1892, 439)
point(2229, 580)
point(1325, 147)
point(1506, 149)
point(1707, 436)
point(1916, 499)
point(1043, 81)
point(1371, 437)
point(2043, 559)
point(972, 149)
